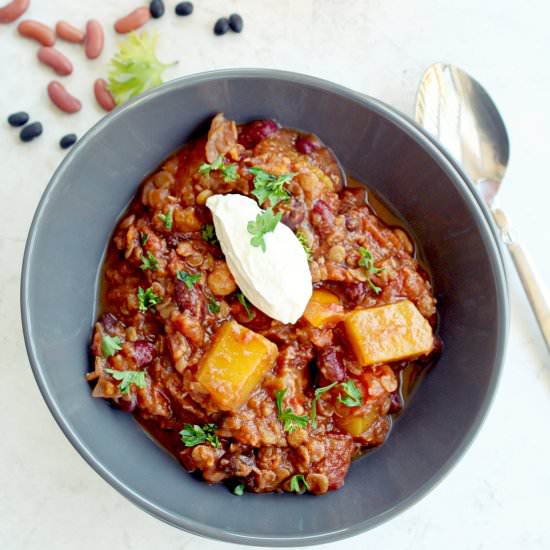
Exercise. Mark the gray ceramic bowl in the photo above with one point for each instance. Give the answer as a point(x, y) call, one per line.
point(63, 256)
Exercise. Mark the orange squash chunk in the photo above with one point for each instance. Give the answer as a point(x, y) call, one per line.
point(388, 333)
point(235, 364)
point(324, 309)
point(356, 425)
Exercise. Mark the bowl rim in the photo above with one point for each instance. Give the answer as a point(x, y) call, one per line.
point(489, 235)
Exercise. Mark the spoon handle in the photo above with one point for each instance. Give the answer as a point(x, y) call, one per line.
point(532, 282)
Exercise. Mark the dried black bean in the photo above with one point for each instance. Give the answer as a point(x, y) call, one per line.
point(31, 131)
point(221, 26)
point(18, 119)
point(236, 22)
point(156, 8)
point(184, 8)
point(67, 141)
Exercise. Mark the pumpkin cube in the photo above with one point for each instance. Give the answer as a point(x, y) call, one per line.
point(324, 309)
point(235, 364)
point(388, 333)
point(357, 424)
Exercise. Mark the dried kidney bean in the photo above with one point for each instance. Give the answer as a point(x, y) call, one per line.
point(134, 20)
point(236, 22)
point(221, 26)
point(252, 133)
point(184, 8)
point(94, 39)
point(12, 11)
point(36, 31)
point(67, 141)
point(103, 95)
point(69, 33)
point(56, 60)
point(62, 99)
point(156, 8)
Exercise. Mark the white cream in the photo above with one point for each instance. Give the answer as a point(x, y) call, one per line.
point(277, 281)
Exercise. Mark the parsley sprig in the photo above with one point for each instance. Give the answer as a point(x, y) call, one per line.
point(270, 187)
point(367, 261)
point(147, 299)
point(318, 393)
point(303, 241)
point(149, 262)
point(127, 378)
point(188, 279)
point(239, 489)
point(352, 395)
point(298, 484)
point(264, 223)
point(228, 171)
point(193, 434)
point(110, 345)
point(246, 304)
point(209, 234)
point(291, 421)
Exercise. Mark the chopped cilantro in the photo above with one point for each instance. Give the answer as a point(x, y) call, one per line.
point(298, 484)
point(265, 223)
point(303, 241)
point(352, 397)
point(246, 304)
point(228, 171)
point(367, 261)
point(110, 345)
point(213, 306)
point(269, 187)
point(149, 262)
point(168, 219)
point(318, 393)
point(127, 378)
point(147, 299)
point(291, 422)
point(193, 434)
point(209, 234)
point(188, 279)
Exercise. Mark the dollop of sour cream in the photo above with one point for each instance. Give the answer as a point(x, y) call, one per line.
point(277, 281)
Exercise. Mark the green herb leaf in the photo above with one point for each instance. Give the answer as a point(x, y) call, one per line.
point(209, 234)
point(265, 223)
point(128, 378)
point(193, 434)
point(228, 171)
point(188, 279)
point(168, 219)
point(291, 422)
point(239, 490)
point(298, 484)
point(135, 67)
point(147, 299)
point(149, 262)
point(318, 393)
point(213, 306)
point(303, 241)
point(352, 397)
point(246, 304)
point(367, 261)
point(110, 345)
point(143, 238)
point(270, 187)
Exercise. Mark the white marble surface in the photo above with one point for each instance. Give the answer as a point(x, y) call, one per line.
point(498, 496)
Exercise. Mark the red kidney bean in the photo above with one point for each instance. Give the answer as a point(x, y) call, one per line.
point(103, 95)
point(12, 11)
point(191, 300)
point(109, 322)
point(127, 403)
point(355, 292)
point(304, 145)
point(56, 60)
point(93, 45)
point(295, 214)
point(252, 133)
point(62, 99)
point(37, 31)
point(69, 33)
point(144, 352)
point(133, 20)
point(330, 363)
